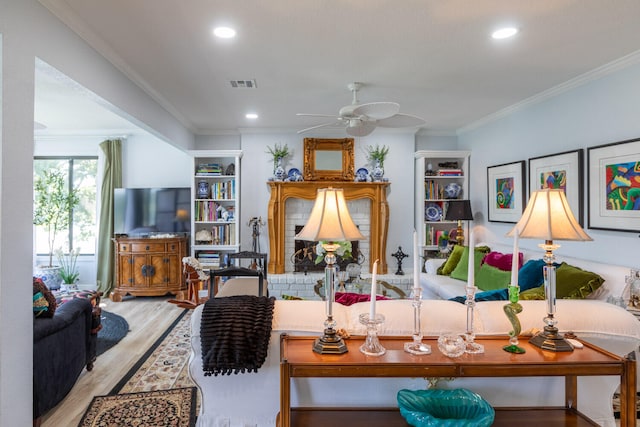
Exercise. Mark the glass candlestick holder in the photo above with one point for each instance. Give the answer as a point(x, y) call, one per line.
point(512, 309)
point(417, 346)
point(472, 347)
point(372, 346)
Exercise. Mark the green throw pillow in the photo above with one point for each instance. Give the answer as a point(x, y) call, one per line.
point(575, 283)
point(450, 264)
point(533, 293)
point(571, 283)
point(462, 269)
point(489, 278)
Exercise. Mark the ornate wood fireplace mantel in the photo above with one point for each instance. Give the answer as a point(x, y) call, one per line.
point(379, 217)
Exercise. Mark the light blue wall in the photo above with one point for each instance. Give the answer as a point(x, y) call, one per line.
point(601, 111)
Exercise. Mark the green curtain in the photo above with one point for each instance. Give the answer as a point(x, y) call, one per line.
point(111, 178)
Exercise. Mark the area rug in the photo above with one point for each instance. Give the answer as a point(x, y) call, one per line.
point(165, 365)
point(114, 328)
point(174, 408)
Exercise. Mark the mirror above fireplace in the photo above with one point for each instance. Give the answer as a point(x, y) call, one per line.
point(328, 159)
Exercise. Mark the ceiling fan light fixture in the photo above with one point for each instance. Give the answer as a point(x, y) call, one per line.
point(251, 116)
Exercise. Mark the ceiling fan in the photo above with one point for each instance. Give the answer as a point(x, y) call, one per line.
point(362, 119)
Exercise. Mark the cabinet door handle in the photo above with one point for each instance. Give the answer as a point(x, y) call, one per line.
point(148, 270)
point(147, 247)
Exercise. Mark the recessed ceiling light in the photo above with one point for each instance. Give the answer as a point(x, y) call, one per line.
point(504, 33)
point(224, 32)
point(252, 116)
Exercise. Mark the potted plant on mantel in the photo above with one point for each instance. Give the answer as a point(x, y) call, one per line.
point(278, 153)
point(53, 202)
point(376, 156)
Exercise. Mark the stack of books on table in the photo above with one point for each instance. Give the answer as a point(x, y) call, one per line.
point(210, 259)
point(209, 169)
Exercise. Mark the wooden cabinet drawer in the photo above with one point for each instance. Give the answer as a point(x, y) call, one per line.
point(147, 247)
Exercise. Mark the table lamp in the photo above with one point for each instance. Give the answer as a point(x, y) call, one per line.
point(330, 222)
point(549, 217)
point(459, 210)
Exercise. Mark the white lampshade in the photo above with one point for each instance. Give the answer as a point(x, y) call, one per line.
point(549, 217)
point(330, 219)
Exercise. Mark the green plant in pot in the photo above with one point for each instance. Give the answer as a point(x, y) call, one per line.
point(278, 153)
point(376, 156)
point(53, 201)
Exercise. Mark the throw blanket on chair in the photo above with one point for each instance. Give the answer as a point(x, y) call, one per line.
point(234, 333)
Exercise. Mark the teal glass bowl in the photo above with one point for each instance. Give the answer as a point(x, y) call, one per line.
point(445, 408)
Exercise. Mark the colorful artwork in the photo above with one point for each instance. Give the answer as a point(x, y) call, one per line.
point(504, 193)
point(623, 186)
point(554, 180)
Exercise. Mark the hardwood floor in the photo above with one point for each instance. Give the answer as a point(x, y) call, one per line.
point(148, 318)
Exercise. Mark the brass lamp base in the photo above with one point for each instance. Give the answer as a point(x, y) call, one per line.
point(550, 340)
point(330, 343)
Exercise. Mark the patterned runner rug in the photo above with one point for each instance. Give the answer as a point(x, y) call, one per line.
point(174, 407)
point(157, 390)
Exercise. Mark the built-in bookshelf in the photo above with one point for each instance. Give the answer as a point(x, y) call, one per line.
point(437, 173)
point(215, 194)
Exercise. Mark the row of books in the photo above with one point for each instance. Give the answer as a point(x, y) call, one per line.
point(223, 234)
point(209, 169)
point(224, 190)
point(433, 189)
point(434, 237)
point(207, 210)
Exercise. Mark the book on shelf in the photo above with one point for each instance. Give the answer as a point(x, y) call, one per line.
point(449, 172)
point(209, 169)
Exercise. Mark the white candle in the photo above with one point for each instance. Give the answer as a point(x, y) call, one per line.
point(416, 261)
point(471, 267)
point(515, 258)
point(372, 305)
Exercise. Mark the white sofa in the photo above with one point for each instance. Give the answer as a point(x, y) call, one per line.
point(436, 286)
point(253, 398)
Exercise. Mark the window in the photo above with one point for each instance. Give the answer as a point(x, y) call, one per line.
point(82, 232)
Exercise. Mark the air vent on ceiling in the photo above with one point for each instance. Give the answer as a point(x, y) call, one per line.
point(243, 84)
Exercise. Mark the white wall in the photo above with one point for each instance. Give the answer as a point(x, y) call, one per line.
point(599, 112)
point(29, 31)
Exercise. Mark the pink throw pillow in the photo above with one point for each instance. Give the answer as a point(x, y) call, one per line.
point(502, 261)
point(348, 298)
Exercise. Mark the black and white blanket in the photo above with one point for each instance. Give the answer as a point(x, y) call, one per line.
point(234, 333)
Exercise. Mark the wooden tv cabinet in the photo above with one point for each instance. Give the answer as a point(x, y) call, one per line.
point(149, 266)
point(298, 360)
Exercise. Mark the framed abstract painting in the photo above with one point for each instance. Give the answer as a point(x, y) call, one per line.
point(614, 186)
point(560, 171)
point(506, 191)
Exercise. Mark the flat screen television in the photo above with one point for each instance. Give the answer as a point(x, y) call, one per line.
point(145, 211)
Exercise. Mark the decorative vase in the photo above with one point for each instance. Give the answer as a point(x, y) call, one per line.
point(378, 172)
point(279, 173)
point(50, 276)
point(203, 190)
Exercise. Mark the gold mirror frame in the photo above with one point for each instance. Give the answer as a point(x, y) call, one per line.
point(340, 171)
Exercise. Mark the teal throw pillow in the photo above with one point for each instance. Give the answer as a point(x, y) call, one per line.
point(494, 295)
point(462, 269)
point(530, 275)
point(489, 278)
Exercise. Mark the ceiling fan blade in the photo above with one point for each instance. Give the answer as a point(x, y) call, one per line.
point(316, 115)
point(377, 110)
point(400, 121)
point(336, 123)
point(362, 129)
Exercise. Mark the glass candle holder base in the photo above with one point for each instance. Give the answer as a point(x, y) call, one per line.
point(417, 348)
point(372, 346)
point(471, 346)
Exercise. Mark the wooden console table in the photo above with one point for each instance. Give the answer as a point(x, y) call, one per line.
point(298, 360)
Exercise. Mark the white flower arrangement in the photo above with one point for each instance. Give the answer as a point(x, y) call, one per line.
point(343, 251)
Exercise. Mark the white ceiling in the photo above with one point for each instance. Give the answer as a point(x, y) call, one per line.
point(434, 57)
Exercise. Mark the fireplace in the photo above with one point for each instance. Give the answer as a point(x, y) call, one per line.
point(283, 194)
point(304, 255)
